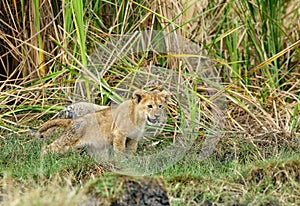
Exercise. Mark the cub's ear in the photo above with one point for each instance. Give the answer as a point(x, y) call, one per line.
point(166, 95)
point(138, 95)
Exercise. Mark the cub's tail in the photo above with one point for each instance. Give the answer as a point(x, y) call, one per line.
point(32, 131)
point(56, 123)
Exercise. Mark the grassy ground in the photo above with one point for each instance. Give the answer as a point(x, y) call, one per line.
point(76, 179)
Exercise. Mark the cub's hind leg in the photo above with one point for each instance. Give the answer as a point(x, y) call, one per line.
point(47, 128)
point(71, 138)
point(66, 142)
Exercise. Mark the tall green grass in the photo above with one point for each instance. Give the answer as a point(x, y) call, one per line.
point(39, 37)
point(253, 44)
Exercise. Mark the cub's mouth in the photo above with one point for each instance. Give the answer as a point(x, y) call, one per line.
point(151, 121)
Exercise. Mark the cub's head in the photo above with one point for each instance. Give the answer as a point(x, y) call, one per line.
point(151, 105)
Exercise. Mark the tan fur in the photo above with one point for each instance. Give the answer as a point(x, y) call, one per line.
point(120, 127)
point(79, 109)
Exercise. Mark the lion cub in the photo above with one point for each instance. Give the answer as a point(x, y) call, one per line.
point(120, 127)
point(79, 109)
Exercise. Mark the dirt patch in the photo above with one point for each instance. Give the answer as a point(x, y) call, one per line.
point(142, 192)
point(123, 191)
point(277, 172)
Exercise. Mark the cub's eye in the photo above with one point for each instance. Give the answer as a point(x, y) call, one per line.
point(150, 106)
point(160, 106)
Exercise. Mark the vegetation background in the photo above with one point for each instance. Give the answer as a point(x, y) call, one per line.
point(44, 50)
